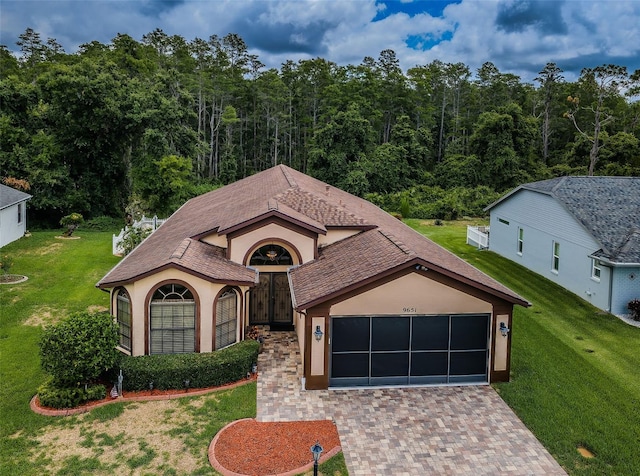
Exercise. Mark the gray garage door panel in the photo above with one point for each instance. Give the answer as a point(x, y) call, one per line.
point(409, 350)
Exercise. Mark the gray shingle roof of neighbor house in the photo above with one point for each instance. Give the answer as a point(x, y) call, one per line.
point(383, 244)
point(607, 207)
point(10, 196)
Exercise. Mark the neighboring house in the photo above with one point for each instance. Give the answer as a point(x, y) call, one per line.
point(372, 301)
point(581, 232)
point(13, 214)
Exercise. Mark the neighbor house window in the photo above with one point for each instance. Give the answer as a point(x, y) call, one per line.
point(172, 320)
point(520, 240)
point(502, 220)
point(555, 265)
point(595, 269)
point(226, 319)
point(123, 318)
point(19, 212)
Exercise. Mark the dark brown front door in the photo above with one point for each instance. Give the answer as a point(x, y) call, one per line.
point(270, 301)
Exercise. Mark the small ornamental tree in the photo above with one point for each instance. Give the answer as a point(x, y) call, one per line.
point(79, 349)
point(72, 221)
point(6, 263)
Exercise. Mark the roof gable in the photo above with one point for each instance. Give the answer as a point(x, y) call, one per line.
point(10, 196)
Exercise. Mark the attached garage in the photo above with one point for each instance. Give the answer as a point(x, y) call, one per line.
point(409, 350)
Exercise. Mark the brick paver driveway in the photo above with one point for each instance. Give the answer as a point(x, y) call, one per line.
point(465, 430)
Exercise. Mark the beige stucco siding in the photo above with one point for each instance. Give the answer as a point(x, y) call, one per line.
point(411, 294)
point(334, 235)
point(216, 240)
point(242, 244)
point(205, 291)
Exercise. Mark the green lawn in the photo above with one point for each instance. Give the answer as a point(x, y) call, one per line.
point(575, 373)
point(575, 370)
point(62, 277)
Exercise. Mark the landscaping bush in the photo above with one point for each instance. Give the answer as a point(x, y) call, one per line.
point(79, 349)
point(634, 307)
point(429, 202)
point(171, 371)
point(133, 236)
point(6, 264)
point(51, 395)
point(104, 223)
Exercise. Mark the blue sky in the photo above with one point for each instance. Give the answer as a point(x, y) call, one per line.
point(518, 36)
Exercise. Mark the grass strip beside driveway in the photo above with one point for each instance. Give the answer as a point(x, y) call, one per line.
point(575, 370)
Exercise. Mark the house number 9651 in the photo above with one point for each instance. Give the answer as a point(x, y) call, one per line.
point(409, 309)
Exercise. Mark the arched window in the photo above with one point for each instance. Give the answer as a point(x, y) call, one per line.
point(123, 318)
point(271, 255)
point(226, 319)
point(172, 320)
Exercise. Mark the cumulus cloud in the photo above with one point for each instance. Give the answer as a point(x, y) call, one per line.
point(518, 36)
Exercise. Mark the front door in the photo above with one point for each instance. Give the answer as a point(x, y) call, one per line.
point(270, 302)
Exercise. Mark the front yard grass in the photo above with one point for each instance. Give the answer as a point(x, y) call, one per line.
point(165, 438)
point(575, 370)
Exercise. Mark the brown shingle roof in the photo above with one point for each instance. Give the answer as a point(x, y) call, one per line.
point(295, 196)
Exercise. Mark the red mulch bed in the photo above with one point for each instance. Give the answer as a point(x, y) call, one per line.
point(255, 448)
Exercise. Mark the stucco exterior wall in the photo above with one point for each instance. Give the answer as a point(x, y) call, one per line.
point(241, 245)
point(544, 221)
point(215, 240)
point(334, 235)
point(10, 229)
point(411, 294)
point(206, 294)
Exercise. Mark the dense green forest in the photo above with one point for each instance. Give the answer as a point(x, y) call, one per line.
point(144, 125)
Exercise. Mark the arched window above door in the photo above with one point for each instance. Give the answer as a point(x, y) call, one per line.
point(271, 255)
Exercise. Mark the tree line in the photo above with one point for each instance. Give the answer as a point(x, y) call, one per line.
point(144, 125)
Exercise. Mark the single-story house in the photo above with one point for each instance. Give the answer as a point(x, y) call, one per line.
point(13, 214)
point(372, 301)
point(580, 232)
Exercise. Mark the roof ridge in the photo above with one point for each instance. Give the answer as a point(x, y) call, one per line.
point(180, 250)
point(399, 244)
point(288, 175)
point(626, 245)
point(557, 186)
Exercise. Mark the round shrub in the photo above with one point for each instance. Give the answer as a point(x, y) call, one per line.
point(79, 349)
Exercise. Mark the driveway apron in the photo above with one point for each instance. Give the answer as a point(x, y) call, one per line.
point(462, 430)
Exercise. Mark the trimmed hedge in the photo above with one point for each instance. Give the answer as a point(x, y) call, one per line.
point(170, 371)
point(53, 396)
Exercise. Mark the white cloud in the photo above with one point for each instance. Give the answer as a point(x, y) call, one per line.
point(518, 37)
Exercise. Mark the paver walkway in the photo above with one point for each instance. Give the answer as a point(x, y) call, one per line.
point(466, 430)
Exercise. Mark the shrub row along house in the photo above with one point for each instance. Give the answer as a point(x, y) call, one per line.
point(372, 301)
point(580, 232)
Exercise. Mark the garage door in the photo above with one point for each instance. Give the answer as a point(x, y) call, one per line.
point(409, 350)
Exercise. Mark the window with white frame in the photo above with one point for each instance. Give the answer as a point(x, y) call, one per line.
point(595, 269)
point(226, 319)
point(19, 213)
point(172, 320)
point(520, 240)
point(555, 264)
point(123, 318)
